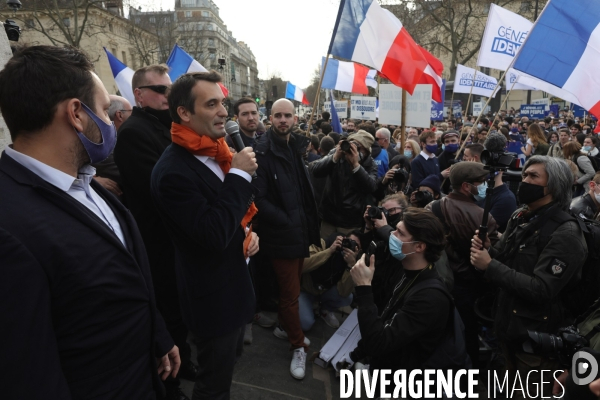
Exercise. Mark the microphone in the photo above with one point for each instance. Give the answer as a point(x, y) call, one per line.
point(495, 143)
point(233, 130)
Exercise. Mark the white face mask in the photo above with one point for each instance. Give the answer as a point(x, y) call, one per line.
point(597, 196)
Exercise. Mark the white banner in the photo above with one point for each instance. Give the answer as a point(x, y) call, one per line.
point(363, 107)
point(504, 33)
point(512, 77)
point(340, 106)
point(418, 106)
point(484, 84)
point(477, 107)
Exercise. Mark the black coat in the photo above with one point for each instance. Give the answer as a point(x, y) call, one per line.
point(202, 215)
point(141, 141)
point(78, 309)
point(346, 194)
point(287, 212)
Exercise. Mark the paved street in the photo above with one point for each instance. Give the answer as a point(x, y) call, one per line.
point(263, 372)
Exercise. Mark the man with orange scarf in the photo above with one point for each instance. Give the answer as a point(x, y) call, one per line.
point(205, 197)
point(288, 220)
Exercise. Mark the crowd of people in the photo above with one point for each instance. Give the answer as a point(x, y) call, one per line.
point(127, 229)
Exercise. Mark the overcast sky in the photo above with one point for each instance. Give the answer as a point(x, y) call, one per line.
point(286, 36)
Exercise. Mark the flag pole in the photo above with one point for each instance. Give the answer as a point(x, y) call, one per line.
point(403, 120)
point(471, 92)
point(451, 108)
point(316, 103)
point(504, 103)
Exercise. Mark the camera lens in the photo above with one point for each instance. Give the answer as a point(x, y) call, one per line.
point(345, 146)
point(374, 213)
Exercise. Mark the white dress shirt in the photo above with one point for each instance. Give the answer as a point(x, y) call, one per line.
point(211, 163)
point(78, 188)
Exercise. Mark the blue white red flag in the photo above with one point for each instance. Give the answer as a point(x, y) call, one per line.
point(180, 63)
point(347, 76)
point(123, 76)
point(295, 93)
point(366, 33)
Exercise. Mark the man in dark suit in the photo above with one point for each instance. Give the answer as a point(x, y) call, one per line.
point(142, 140)
point(205, 197)
point(76, 297)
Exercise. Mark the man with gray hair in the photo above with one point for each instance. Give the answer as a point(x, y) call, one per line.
point(536, 265)
point(107, 172)
point(382, 136)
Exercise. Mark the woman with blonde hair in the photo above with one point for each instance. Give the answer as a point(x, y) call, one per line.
point(411, 150)
point(536, 142)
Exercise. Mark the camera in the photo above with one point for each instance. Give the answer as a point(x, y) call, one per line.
point(375, 212)
point(423, 197)
point(563, 345)
point(497, 160)
point(400, 176)
point(13, 31)
point(349, 244)
point(345, 146)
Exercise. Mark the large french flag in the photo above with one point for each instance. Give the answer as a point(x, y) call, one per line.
point(347, 76)
point(562, 53)
point(180, 63)
point(368, 34)
point(295, 93)
point(123, 76)
point(433, 75)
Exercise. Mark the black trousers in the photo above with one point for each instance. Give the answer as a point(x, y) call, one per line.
point(216, 358)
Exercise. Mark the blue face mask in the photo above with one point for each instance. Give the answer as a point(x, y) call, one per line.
point(481, 191)
point(408, 153)
point(451, 148)
point(587, 148)
point(99, 151)
point(432, 148)
point(396, 248)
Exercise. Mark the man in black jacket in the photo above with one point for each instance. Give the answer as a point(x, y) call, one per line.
point(588, 205)
point(287, 221)
point(205, 197)
point(142, 140)
point(351, 180)
point(77, 306)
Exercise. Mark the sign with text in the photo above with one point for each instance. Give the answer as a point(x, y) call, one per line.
point(340, 106)
point(535, 111)
point(418, 106)
point(477, 108)
point(437, 109)
point(482, 85)
point(362, 107)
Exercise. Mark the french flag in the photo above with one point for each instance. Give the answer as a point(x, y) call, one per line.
point(562, 53)
point(433, 75)
point(295, 93)
point(180, 63)
point(123, 76)
point(347, 76)
point(368, 34)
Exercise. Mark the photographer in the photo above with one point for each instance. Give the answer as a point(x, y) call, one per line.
point(428, 190)
point(326, 278)
point(408, 331)
point(351, 179)
point(537, 260)
point(395, 180)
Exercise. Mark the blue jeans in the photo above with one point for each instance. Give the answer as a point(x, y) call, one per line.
point(329, 300)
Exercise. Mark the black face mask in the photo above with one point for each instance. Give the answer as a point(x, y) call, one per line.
point(163, 116)
point(529, 193)
point(393, 220)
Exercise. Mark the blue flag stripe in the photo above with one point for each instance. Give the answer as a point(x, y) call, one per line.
point(558, 40)
point(335, 120)
point(347, 28)
point(116, 66)
point(330, 78)
point(179, 61)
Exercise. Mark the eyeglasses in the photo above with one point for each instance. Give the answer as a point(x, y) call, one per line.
point(393, 210)
point(161, 89)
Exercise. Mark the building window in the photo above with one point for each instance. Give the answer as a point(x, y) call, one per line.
point(114, 51)
point(110, 27)
point(199, 26)
point(525, 6)
point(205, 14)
point(152, 20)
point(67, 22)
point(212, 56)
point(211, 42)
point(124, 57)
point(486, 8)
point(137, 20)
point(210, 27)
point(29, 23)
point(188, 3)
point(188, 14)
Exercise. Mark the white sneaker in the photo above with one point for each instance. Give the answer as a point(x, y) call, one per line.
point(330, 319)
point(298, 366)
point(281, 334)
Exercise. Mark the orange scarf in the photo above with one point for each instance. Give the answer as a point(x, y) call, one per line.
point(205, 146)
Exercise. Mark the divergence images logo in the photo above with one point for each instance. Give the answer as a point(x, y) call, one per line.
point(584, 368)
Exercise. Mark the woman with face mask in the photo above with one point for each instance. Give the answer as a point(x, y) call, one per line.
point(553, 138)
point(414, 319)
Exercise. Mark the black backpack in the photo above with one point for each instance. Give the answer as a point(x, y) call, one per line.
point(593, 160)
point(578, 298)
point(451, 352)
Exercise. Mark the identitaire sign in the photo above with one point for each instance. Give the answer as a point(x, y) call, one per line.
point(468, 80)
point(504, 33)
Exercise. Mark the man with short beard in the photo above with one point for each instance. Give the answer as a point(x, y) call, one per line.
point(287, 220)
point(246, 112)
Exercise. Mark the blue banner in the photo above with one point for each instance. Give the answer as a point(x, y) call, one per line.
point(578, 111)
point(554, 108)
point(515, 147)
point(437, 109)
point(535, 111)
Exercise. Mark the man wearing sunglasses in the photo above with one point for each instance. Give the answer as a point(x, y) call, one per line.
point(142, 140)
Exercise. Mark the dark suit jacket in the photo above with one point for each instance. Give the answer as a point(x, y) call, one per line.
point(141, 141)
point(78, 310)
point(203, 216)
